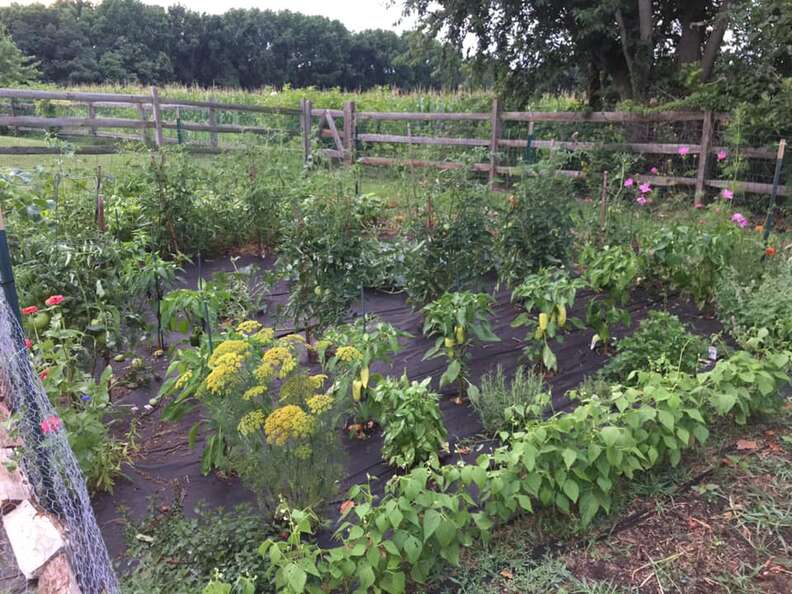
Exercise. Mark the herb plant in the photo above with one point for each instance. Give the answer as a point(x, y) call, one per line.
point(503, 404)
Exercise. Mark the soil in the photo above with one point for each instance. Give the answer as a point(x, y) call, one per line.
point(165, 468)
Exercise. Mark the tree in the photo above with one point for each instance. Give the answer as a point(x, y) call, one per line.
point(15, 68)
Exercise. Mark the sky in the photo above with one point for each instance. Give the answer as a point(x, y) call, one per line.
point(356, 15)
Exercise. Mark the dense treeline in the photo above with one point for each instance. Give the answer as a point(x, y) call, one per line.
point(126, 41)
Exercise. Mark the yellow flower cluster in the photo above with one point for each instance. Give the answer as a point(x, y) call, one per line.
point(183, 379)
point(288, 422)
point(319, 403)
point(248, 327)
point(253, 392)
point(251, 422)
point(276, 357)
point(348, 354)
point(263, 336)
point(317, 381)
point(296, 388)
point(294, 338)
point(225, 374)
point(237, 347)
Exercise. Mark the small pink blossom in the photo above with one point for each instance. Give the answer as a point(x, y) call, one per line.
point(739, 220)
point(645, 188)
point(722, 154)
point(628, 183)
point(54, 300)
point(51, 424)
point(683, 150)
point(727, 194)
point(642, 200)
point(653, 171)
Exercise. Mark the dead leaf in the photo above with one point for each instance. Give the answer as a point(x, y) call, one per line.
point(746, 444)
point(507, 574)
point(463, 451)
point(346, 506)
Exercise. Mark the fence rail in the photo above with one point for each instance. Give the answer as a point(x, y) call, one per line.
point(347, 138)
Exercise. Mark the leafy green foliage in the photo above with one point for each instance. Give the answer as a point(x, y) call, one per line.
point(505, 405)
point(456, 319)
point(550, 293)
point(411, 421)
point(660, 340)
point(15, 68)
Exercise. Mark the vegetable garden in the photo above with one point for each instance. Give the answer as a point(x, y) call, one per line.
point(385, 370)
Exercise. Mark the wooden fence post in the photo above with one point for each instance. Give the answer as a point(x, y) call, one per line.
point(349, 132)
point(144, 133)
point(495, 132)
point(307, 120)
point(155, 108)
point(704, 158)
point(92, 116)
point(213, 138)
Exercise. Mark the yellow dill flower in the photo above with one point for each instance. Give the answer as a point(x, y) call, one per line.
point(248, 327)
point(263, 336)
point(237, 347)
point(348, 354)
point(225, 375)
point(276, 357)
point(296, 388)
point(183, 379)
point(288, 422)
point(317, 381)
point(319, 403)
point(251, 422)
point(253, 392)
point(295, 338)
point(303, 452)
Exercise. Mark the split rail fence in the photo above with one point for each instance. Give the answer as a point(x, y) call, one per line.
point(346, 130)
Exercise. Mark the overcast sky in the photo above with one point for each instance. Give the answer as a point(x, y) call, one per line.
point(356, 15)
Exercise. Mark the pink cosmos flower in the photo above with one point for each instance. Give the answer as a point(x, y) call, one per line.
point(722, 154)
point(641, 200)
point(54, 300)
point(727, 194)
point(29, 310)
point(645, 188)
point(51, 424)
point(628, 183)
point(739, 220)
point(653, 171)
point(683, 150)
point(28, 344)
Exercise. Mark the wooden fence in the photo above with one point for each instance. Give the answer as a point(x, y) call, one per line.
point(341, 126)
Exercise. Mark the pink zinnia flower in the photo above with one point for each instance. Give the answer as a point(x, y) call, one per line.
point(641, 200)
point(51, 424)
point(727, 194)
point(28, 344)
point(628, 183)
point(683, 150)
point(43, 375)
point(54, 300)
point(653, 171)
point(29, 310)
point(739, 220)
point(722, 154)
point(645, 188)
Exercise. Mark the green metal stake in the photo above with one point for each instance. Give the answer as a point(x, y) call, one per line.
point(774, 193)
point(7, 273)
point(179, 133)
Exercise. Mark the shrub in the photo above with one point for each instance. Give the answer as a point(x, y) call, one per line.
point(411, 421)
point(504, 405)
point(661, 342)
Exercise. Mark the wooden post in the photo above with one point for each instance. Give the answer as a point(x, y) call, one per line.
point(213, 140)
point(349, 132)
point(144, 134)
point(305, 124)
point(704, 158)
point(603, 214)
point(495, 131)
point(155, 108)
point(92, 116)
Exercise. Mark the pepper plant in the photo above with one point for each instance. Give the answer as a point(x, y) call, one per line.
point(548, 295)
point(456, 319)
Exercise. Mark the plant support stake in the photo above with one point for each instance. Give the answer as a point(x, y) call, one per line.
point(774, 193)
point(7, 273)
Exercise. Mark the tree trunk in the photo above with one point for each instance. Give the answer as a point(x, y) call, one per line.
point(691, 21)
point(712, 49)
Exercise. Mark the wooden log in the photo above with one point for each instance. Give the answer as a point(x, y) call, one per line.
point(495, 132)
point(213, 138)
point(430, 140)
point(144, 133)
point(704, 153)
point(92, 116)
point(76, 97)
point(349, 132)
point(601, 116)
point(39, 122)
point(306, 122)
point(421, 116)
point(320, 113)
point(155, 108)
point(334, 131)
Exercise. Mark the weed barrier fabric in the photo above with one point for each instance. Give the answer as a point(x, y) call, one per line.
point(166, 471)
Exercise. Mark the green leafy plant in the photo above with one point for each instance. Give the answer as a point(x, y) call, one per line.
point(411, 421)
point(611, 271)
point(549, 294)
point(505, 405)
point(456, 319)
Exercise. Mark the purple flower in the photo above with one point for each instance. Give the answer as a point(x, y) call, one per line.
point(645, 188)
point(628, 183)
point(85, 398)
point(727, 194)
point(722, 154)
point(683, 150)
point(739, 220)
point(653, 171)
point(641, 200)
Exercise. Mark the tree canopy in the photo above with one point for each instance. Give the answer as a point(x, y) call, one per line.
point(15, 67)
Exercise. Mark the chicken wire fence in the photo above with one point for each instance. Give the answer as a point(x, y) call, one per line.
point(49, 463)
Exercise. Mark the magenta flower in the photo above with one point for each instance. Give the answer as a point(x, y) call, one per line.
point(727, 194)
point(628, 183)
point(645, 188)
point(641, 200)
point(653, 171)
point(739, 220)
point(683, 150)
point(722, 154)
